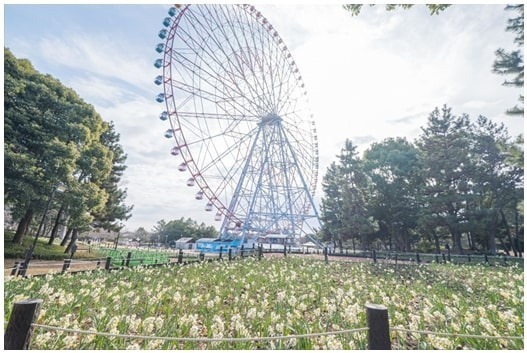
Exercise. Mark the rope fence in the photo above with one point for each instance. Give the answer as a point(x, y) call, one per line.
point(460, 335)
point(25, 313)
point(201, 339)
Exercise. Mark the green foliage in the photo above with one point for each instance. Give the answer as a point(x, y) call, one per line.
point(343, 209)
point(434, 9)
point(43, 250)
point(52, 137)
point(182, 228)
point(393, 167)
point(460, 184)
point(510, 63)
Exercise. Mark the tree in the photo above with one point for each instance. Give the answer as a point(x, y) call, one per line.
point(354, 213)
point(393, 167)
point(447, 166)
point(344, 213)
point(510, 63)
point(495, 184)
point(52, 138)
point(42, 133)
point(166, 232)
point(332, 205)
point(115, 210)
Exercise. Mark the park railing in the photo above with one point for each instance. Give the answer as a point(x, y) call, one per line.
point(24, 315)
point(396, 257)
point(124, 258)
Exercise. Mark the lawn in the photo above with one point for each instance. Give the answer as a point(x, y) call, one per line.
point(44, 251)
point(274, 297)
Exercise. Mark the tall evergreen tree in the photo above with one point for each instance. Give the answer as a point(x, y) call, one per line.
point(510, 63)
point(332, 205)
point(447, 167)
point(115, 209)
point(344, 213)
point(393, 167)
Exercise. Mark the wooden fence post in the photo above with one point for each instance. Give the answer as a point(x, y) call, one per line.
point(260, 252)
point(128, 257)
point(221, 252)
point(180, 256)
point(19, 330)
point(242, 251)
point(285, 250)
point(108, 264)
point(417, 258)
point(374, 255)
point(230, 254)
point(378, 327)
point(66, 265)
point(15, 268)
point(326, 254)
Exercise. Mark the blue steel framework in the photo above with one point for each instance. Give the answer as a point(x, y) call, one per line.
point(238, 113)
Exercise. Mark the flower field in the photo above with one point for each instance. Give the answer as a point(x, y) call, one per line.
point(276, 297)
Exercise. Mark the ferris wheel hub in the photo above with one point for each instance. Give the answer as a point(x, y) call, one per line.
point(270, 119)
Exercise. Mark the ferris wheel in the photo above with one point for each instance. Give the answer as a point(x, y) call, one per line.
point(238, 112)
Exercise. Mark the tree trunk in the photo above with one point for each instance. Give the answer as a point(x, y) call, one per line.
point(23, 225)
point(509, 235)
point(55, 229)
point(456, 239)
point(505, 247)
point(74, 236)
point(491, 235)
point(436, 241)
point(66, 237)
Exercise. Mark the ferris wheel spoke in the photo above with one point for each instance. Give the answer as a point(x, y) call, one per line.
point(216, 116)
point(256, 81)
point(229, 171)
point(256, 59)
point(239, 55)
point(212, 55)
point(199, 91)
point(209, 95)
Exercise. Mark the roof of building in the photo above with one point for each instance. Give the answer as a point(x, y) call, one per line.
point(185, 240)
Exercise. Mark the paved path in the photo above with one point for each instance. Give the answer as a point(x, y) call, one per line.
point(42, 267)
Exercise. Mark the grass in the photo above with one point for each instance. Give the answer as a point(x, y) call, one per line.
point(44, 251)
point(138, 257)
point(277, 296)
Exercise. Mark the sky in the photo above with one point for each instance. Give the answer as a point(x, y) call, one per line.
point(368, 77)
